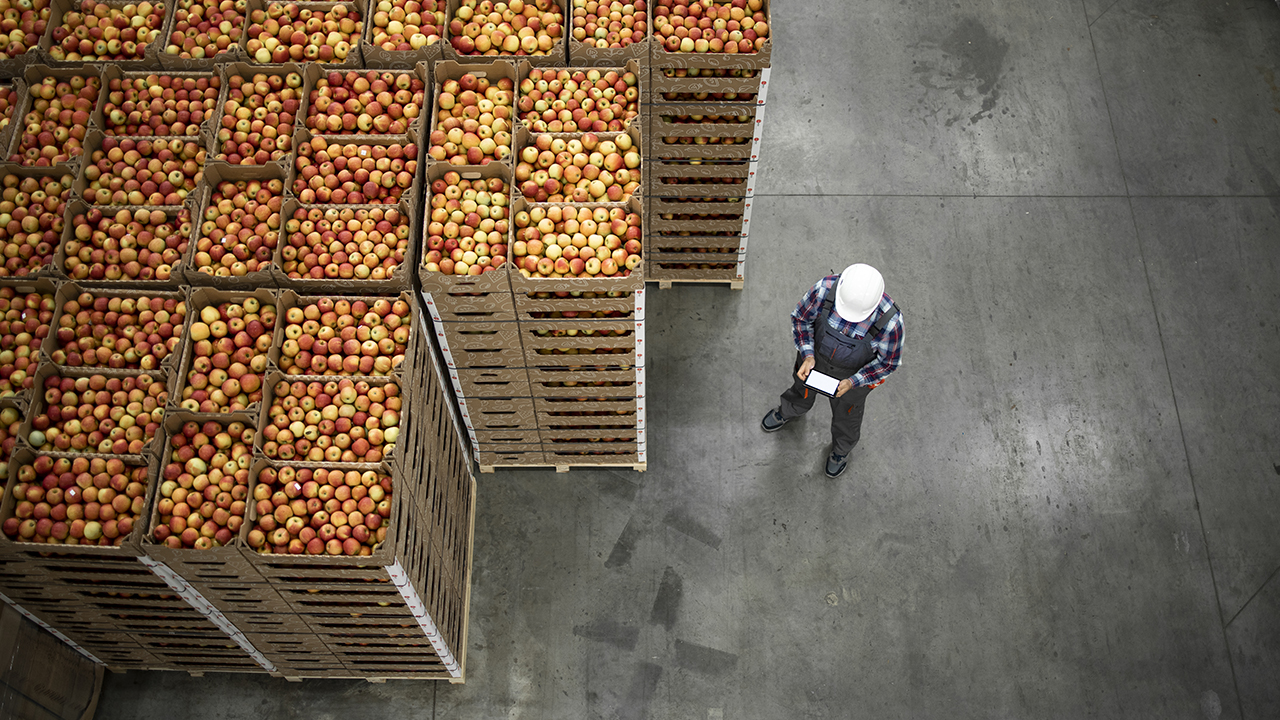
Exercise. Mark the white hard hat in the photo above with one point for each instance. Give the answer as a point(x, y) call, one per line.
point(858, 293)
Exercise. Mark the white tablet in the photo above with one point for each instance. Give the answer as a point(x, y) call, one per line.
point(824, 384)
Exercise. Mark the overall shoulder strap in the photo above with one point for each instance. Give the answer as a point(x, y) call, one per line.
point(885, 318)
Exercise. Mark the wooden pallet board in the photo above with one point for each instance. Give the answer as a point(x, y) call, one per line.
point(638, 467)
point(666, 284)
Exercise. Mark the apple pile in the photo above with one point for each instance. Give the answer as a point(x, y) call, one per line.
point(101, 32)
point(707, 73)
point(31, 221)
point(710, 26)
point(257, 119)
point(353, 173)
point(609, 24)
point(467, 228)
point(404, 25)
point(579, 170)
point(350, 421)
point(345, 337)
point(81, 501)
point(97, 414)
point(520, 27)
point(578, 100)
point(23, 25)
point(204, 28)
point(562, 241)
point(473, 121)
point(241, 228)
point(10, 424)
point(318, 511)
point(229, 345)
point(24, 324)
point(285, 32)
point(8, 98)
point(132, 244)
point(118, 332)
point(365, 102)
point(158, 171)
point(205, 485)
point(159, 105)
point(345, 243)
point(54, 127)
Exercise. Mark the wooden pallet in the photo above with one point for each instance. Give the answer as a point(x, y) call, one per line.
point(666, 284)
point(638, 467)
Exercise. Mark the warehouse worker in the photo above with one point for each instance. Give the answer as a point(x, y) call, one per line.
point(847, 328)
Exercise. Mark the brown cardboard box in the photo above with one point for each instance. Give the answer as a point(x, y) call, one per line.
point(559, 383)
point(148, 57)
point(491, 383)
point(480, 345)
point(673, 178)
point(216, 173)
point(534, 307)
point(637, 67)
point(41, 677)
point(452, 69)
point(678, 84)
point(355, 8)
point(659, 57)
point(557, 56)
point(736, 120)
point(376, 57)
point(689, 270)
point(173, 61)
point(602, 284)
point(501, 414)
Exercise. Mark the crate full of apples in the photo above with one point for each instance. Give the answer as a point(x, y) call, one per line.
point(609, 32)
point(348, 420)
point(356, 170)
point(321, 511)
point(53, 118)
point(238, 227)
point(366, 102)
point(104, 413)
point(587, 248)
point(305, 32)
point(711, 34)
point(532, 30)
point(467, 226)
point(116, 329)
point(204, 483)
point(33, 203)
point(474, 114)
point(141, 104)
point(146, 171)
point(579, 99)
point(402, 33)
point(30, 20)
point(326, 336)
point(203, 33)
point(26, 321)
point(225, 360)
point(257, 113)
point(586, 168)
point(346, 248)
point(94, 503)
point(132, 246)
point(125, 33)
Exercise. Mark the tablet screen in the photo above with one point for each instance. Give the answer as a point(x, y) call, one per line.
point(822, 383)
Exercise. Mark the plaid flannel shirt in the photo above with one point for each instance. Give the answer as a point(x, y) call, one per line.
point(888, 347)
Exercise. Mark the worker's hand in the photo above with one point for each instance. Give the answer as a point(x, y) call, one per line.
point(805, 367)
point(845, 386)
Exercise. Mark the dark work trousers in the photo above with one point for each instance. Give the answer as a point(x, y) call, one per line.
point(846, 410)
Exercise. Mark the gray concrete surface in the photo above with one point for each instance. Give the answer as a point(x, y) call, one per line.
point(1064, 506)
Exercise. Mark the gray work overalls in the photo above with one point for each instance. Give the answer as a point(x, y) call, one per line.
point(840, 356)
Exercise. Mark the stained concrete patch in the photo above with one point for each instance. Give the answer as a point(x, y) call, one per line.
point(611, 632)
point(699, 658)
point(681, 521)
point(640, 694)
point(666, 606)
point(626, 544)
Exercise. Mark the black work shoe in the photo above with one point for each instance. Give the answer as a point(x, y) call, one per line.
point(773, 421)
point(836, 464)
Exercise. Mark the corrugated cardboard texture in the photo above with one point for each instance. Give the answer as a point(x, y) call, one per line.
point(40, 676)
point(659, 57)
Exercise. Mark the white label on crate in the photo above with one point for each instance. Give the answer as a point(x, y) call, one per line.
point(753, 173)
point(54, 631)
point(431, 306)
point(640, 382)
point(640, 413)
point(444, 349)
point(458, 425)
point(640, 344)
point(746, 216)
point(763, 92)
point(206, 608)
point(755, 138)
point(640, 304)
point(742, 264)
point(640, 434)
point(428, 625)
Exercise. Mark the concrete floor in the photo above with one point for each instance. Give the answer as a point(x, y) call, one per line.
point(1065, 504)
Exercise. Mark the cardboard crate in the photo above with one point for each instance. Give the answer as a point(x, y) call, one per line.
point(33, 75)
point(543, 306)
point(218, 275)
point(480, 345)
point(698, 148)
point(93, 142)
point(354, 59)
point(556, 383)
point(717, 248)
point(378, 57)
point(762, 58)
point(668, 272)
point(603, 284)
point(491, 383)
point(491, 439)
point(314, 72)
point(290, 299)
point(400, 278)
point(266, 414)
point(469, 307)
point(248, 70)
point(174, 60)
point(681, 84)
point(147, 59)
point(412, 146)
point(436, 172)
point(69, 291)
point(733, 120)
point(698, 221)
point(452, 69)
point(635, 66)
point(660, 206)
point(584, 54)
point(557, 56)
point(21, 390)
point(173, 213)
point(212, 297)
point(113, 71)
point(549, 350)
point(43, 676)
point(499, 414)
